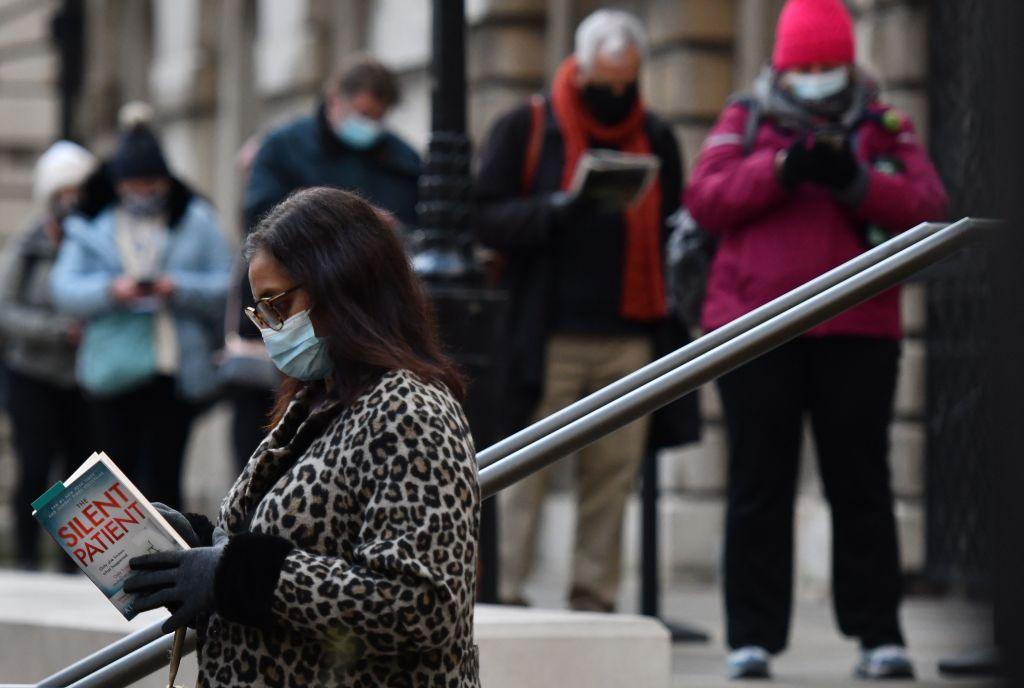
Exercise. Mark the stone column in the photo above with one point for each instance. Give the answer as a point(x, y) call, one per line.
point(507, 57)
point(29, 107)
point(136, 40)
point(561, 26)
point(690, 72)
point(398, 34)
point(183, 80)
point(286, 56)
point(237, 108)
point(348, 21)
point(755, 37)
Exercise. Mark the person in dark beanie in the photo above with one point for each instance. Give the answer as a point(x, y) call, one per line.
point(345, 144)
point(829, 171)
point(588, 302)
point(146, 267)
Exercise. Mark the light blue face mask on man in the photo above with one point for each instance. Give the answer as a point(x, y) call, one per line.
point(359, 132)
point(296, 350)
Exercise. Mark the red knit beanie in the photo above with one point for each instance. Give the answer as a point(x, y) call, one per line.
point(813, 31)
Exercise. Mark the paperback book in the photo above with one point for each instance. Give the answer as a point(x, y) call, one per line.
point(613, 180)
point(101, 520)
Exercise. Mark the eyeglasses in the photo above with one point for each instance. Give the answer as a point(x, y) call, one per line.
point(265, 313)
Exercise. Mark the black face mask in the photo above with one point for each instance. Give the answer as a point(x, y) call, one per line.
point(606, 106)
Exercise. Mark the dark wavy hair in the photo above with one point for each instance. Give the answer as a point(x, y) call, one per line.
point(366, 300)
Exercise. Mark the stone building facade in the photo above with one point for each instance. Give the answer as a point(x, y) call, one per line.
point(218, 71)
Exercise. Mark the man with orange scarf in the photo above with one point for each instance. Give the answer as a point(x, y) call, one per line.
point(588, 302)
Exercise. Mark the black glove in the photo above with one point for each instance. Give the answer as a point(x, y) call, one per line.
point(183, 582)
point(179, 523)
point(832, 166)
point(795, 165)
point(569, 208)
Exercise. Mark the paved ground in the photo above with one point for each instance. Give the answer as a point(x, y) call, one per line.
point(818, 656)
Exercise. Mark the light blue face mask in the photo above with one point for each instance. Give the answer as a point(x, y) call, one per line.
point(296, 350)
point(820, 85)
point(359, 132)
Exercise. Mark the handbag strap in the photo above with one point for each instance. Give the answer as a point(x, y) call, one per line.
point(177, 648)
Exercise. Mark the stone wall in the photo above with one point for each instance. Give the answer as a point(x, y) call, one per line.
point(29, 108)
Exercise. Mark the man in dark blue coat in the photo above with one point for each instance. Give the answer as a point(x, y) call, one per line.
point(343, 143)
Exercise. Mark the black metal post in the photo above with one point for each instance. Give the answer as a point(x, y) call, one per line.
point(650, 583)
point(441, 245)
point(470, 314)
point(67, 30)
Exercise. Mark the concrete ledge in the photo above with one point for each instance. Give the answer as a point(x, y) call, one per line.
point(523, 648)
point(48, 621)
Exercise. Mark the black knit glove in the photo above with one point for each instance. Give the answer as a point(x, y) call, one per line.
point(832, 165)
point(182, 581)
point(794, 165)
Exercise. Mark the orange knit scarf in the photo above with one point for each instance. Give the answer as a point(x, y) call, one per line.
point(643, 286)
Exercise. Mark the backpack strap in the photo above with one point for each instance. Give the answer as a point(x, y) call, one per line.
point(751, 125)
point(535, 142)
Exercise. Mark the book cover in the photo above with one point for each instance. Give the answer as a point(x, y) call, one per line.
point(102, 521)
point(613, 180)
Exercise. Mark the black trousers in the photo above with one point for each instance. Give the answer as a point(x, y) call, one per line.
point(52, 431)
point(145, 431)
point(846, 384)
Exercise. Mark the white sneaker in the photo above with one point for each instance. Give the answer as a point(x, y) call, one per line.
point(749, 661)
point(884, 662)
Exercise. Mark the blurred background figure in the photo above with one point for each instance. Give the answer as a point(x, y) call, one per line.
point(248, 378)
point(145, 265)
point(830, 171)
point(588, 298)
point(49, 416)
point(345, 144)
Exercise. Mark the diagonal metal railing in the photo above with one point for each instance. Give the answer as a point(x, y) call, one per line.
point(636, 395)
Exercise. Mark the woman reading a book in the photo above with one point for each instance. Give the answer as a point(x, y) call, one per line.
point(345, 554)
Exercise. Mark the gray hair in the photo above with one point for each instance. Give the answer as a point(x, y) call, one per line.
point(608, 33)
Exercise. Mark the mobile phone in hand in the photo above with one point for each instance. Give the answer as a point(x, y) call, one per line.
point(146, 286)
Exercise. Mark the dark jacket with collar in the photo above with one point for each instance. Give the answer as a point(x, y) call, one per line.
point(306, 152)
point(566, 279)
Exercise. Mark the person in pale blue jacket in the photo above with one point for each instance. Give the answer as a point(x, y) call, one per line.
point(145, 265)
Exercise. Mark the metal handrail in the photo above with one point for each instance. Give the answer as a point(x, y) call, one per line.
point(817, 301)
point(671, 361)
point(741, 349)
point(135, 665)
point(101, 658)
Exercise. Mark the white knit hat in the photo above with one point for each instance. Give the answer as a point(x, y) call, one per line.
point(64, 164)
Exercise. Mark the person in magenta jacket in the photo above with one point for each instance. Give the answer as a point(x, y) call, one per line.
point(824, 172)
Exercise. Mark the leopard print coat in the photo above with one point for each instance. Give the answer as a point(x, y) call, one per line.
point(355, 564)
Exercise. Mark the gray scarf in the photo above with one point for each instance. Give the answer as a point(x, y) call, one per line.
point(841, 111)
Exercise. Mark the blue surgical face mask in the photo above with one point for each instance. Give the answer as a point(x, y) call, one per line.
point(297, 351)
point(817, 86)
point(358, 131)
